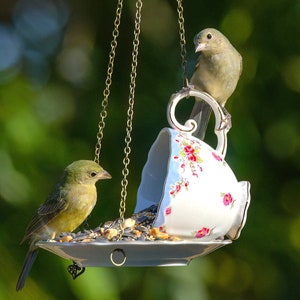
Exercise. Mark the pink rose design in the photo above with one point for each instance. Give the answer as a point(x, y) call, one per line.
point(176, 189)
point(168, 210)
point(189, 149)
point(162, 229)
point(216, 156)
point(188, 157)
point(227, 199)
point(202, 232)
point(191, 156)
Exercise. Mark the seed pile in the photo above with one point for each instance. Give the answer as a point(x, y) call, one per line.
point(139, 227)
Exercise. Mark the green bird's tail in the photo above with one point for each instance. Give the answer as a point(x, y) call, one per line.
point(29, 260)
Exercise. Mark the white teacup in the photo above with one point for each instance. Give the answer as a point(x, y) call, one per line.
point(197, 193)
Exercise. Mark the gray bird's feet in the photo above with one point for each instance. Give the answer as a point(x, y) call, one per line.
point(226, 120)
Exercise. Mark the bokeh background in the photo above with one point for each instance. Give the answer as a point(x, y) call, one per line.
point(53, 61)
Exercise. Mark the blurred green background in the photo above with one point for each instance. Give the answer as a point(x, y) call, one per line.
point(53, 61)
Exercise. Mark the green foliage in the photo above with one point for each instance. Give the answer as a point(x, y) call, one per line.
point(50, 103)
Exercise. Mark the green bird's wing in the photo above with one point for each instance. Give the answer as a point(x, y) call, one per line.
point(54, 204)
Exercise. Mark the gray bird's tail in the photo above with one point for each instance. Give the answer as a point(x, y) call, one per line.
point(201, 114)
point(29, 260)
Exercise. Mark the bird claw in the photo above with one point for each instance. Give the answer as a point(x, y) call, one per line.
point(75, 270)
point(226, 121)
point(187, 87)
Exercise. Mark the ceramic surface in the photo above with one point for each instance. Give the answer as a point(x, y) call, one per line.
point(198, 194)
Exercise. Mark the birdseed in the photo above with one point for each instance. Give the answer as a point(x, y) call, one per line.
point(139, 227)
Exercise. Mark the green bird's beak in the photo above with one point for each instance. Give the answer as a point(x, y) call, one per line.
point(104, 175)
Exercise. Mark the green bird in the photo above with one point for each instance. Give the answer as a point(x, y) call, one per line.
point(66, 207)
point(217, 72)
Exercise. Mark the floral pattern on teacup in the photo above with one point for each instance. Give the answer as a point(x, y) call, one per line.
point(216, 156)
point(189, 154)
point(204, 231)
point(176, 188)
point(168, 210)
point(227, 199)
point(188, 158)
point(198, 196)
point(219, 158)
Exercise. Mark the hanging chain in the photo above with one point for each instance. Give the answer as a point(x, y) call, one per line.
point(108, 80)
point(127, 148)
point(182, 40)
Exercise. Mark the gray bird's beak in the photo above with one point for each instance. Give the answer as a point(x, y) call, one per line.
point(200, 47)
point(104, 175)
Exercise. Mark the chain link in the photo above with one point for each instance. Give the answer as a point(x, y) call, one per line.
point(108, 80)
point(133, 74)
point(130, 111)
point(182, 40)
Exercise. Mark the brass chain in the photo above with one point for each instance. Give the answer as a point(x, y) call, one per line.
point(127, 148)
point(182, 40)
point(108, 80)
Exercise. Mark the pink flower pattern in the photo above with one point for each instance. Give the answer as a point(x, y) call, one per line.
point(189, 154)
point(204, 231)
point(162, 228)
point(189, 158)
point(176, 188)
point(168, 210)
point(216, 156)
point(227, 199)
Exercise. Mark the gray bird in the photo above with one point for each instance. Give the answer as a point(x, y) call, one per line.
point(217, 72)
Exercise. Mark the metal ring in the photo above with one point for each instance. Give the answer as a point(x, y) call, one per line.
point(112, 259)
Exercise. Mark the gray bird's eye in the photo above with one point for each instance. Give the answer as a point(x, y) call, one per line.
point(209, 36)
point(93, 174)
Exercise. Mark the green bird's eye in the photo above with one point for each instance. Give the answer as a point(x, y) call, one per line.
point(209, 36)
point(93, 174)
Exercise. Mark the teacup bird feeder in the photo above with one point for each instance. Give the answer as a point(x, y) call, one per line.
point(187, 188)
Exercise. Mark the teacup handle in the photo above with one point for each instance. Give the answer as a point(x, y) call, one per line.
point(222, 125)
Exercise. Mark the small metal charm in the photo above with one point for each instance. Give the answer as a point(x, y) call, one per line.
point(75, 270)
